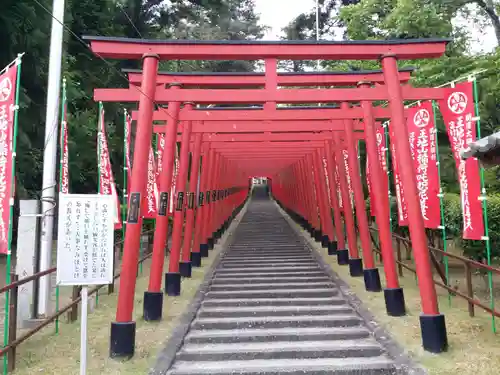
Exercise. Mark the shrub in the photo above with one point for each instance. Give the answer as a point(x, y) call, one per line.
point(454, 225)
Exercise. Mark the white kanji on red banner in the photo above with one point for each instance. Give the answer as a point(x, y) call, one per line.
point(7, 108)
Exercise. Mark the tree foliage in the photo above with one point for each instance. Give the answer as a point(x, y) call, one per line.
point(25, 27)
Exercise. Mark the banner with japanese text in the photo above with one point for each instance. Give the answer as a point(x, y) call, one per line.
point(106, 180)
point(348, 176)
point(400, 196)
point(151, 190)
point(128, 131)
point(339, 194)
point(458, 115)
point(371, 194)
point(8, 84)
point(64, 188)
point(422, 138)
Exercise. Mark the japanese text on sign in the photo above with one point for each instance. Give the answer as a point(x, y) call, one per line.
point(85, 245)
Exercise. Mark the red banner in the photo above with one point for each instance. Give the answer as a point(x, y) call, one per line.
point(151, 190)
point(371, 194)
point(106, 181)
point(458, 115)
point(64, 188)
point(128, 131)
point(7, 104)
point(422, 138)
point(400, 196)
point(339, 194)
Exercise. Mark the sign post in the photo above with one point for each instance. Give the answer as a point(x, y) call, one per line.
point(85, 248)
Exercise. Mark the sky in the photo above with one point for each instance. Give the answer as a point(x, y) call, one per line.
point(278, 13)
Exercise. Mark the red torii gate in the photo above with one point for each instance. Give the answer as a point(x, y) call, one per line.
point(432, 322)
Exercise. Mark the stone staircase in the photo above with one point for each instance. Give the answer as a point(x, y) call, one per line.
point(272, 309)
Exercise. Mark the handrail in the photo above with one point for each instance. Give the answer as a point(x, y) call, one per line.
point(467, 263)
point(12, 286)
point(54, 316)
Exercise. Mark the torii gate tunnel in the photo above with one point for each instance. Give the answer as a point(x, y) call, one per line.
point(299, 148)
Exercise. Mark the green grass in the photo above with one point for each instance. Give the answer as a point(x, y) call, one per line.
point(473, 347)
point(46, 353)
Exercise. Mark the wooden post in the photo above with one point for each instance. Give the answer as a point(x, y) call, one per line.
point(73, 313)
point(470, 291)
point(398, 250)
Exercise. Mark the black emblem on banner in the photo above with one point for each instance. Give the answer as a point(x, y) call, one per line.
point(190, 199)
point(201, 198)
point(163, 206)
point(214, 195)
point(134, 208)
point(180, 201)
point(207, 197)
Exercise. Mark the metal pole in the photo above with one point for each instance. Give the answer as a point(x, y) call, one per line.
point(50, 153)
point(317, 31)
point(83, 331)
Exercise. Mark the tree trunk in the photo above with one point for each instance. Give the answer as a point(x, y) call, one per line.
point(489, 8)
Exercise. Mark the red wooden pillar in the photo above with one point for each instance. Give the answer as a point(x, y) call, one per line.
point(381, 204)
point(122, 338)
point(207, 226)
point(309, 195)
point(326, 219)
point(345, 257)
point(316, 197)
point(432, 323)
point(339, 226)
point(176, 270)
point(192, 254)
point(213, 202)
point(356, 265)
point(200, 212)
point(203, 222)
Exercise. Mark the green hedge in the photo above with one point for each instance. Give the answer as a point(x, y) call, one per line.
point(454, 225)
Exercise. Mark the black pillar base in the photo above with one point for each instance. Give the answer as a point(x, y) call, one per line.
point(152, 306)
point(332, 248)
point(325, 241)
point(343, 257)
point(356, 267)
point(122, 340)
point(204, 250)
point(434, 336)
point(318, 235)
point(210, 243)
point(312, 231)
point(395, 302)
point(372, 280)
point(173, 284)
point(185, 269)
point(196, 259)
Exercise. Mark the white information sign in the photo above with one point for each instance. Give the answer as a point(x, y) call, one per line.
point(85, 239)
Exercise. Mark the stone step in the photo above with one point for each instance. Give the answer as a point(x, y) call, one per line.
point(274, 280)
point(347, 320)
point(260, 265)
point(380, 365)
point(325, 292)
point(280, 350)
point(312, 267)
point(270, 274)
point(271, 286)
point(270, 258)
point(282, 301)
point(208, 312)
point(277, 334)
